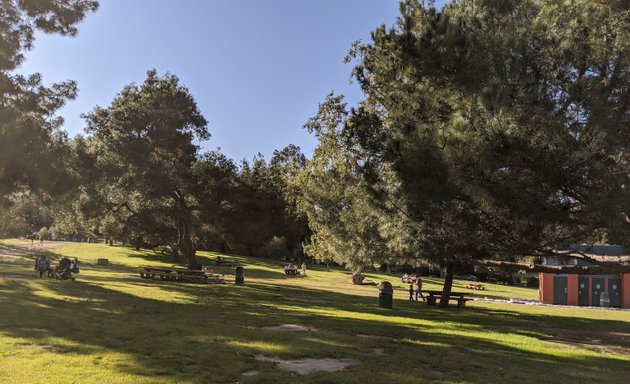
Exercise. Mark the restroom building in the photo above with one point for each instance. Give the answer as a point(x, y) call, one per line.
point(586, 289)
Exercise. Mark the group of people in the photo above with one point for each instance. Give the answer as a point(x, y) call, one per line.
point(414, 292)
point(292, 269)
point(34, 236)
point(63, 270)
point(222, 261)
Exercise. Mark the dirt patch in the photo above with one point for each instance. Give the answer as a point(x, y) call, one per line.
point(27, 250)
point(601, 342)
point(623, 336)
point(45, 347)
point(379, 351)
point(306, 366)
point(15, 250)
point(289, 328)
point(250, 373)
point(374, 337)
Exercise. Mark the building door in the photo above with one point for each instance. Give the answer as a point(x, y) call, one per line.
point(598, 288)
point(560, 290)
point(584, 291)
point(614, 290)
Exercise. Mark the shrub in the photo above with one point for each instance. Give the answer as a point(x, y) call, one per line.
point(532, 281)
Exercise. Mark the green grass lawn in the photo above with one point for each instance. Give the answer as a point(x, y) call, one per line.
point(110, 326)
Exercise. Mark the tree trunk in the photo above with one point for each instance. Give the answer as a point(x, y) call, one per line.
point(448, 284)
point(178, 256)
point(291, 250)
point(184, 241)
point(137, 242)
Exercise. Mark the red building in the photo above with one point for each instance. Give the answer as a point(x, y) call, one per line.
point(586, 289)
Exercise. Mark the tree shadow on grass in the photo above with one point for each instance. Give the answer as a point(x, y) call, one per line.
point(215, 336)
point(208, 259)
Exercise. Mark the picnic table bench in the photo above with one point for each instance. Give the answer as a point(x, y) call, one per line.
point(433, 296)
point(176, 274)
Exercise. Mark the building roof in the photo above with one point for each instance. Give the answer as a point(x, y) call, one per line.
point(599, 249)
point(591, 253)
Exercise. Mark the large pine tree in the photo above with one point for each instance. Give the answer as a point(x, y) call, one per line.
point(496, 128)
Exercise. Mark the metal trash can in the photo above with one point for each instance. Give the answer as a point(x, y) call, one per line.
point(240, 275)
point(385, 295)
point(604, 299)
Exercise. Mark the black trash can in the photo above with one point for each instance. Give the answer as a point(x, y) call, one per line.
point(240, 275)
point(385, 294)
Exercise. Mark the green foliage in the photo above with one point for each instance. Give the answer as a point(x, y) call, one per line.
point(345, 224)
point(31, 144)
point(265, 203)
point(20, 19)
point(140, 156)
point(24, 213)
point(218, 177)
point(487, 129)
point(43, 233)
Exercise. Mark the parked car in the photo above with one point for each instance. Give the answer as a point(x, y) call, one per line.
point(466, 277)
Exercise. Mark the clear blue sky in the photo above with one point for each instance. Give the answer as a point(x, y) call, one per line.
point(257, 69)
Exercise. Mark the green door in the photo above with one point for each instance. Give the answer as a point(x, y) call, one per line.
point(560, 290)
point(614, 290)
point(584, 290)
point(598, 288)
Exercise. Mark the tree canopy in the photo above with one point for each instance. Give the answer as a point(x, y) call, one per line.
point(488, 130)
point(143, 148)
point(494, 128)
point(31, 143)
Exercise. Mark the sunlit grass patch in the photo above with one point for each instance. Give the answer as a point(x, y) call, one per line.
point(110, 326)
point(258, 346)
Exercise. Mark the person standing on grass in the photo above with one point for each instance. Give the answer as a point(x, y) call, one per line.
point(410, 292)
point(304, 268)
point(42, 265)
point(419, 288)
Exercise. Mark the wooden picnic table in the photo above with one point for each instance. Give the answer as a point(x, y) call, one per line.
point(176, 274)
point(432, 297)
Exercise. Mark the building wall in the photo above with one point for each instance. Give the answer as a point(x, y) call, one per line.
point(572, 289)
point(545, 288)
point(625, 291)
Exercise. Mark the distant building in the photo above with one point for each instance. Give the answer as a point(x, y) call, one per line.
point(586, 289)
point(603, 251)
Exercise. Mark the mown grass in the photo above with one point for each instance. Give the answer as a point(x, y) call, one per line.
point(109, 326)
